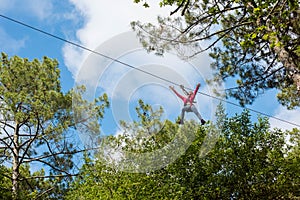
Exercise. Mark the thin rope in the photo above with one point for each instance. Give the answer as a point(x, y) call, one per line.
point(138, 69)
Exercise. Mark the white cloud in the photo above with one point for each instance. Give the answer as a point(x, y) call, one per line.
point(41, 9)
point(292, 116)
point(105, 19)
point(37, 8)
point(72, 58)
point(9, 44)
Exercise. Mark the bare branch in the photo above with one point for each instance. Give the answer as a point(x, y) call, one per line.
point(49, 176)
point(6, 124)
point(31, 140)
point(199, 21)
point(52, 166)
point(185, 7)
point(221, 31)
point(45, 192)
point(49, 148)
point(256, 80)
point(9, 146)
point(176, 10)
point(28, 159)
point(273, 8)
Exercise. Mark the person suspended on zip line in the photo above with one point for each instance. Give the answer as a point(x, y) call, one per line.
point(188, 103)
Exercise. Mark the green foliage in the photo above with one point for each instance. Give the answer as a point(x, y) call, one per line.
point(31, 188)
point(37, 126)
point(249, 161)
point(149, 121)
point(5, 183)
point(145, 4)
point(256, 43)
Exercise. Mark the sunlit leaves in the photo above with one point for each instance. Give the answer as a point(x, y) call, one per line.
point(249, 161)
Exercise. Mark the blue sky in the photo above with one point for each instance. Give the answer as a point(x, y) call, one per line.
point(98, 25)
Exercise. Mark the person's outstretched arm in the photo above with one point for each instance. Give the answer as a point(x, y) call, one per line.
point(195, 92)
point(180, 96)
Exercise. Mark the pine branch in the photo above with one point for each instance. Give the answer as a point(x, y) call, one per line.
point(49, 176)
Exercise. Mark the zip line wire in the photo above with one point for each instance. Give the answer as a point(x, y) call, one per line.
point(138, 69)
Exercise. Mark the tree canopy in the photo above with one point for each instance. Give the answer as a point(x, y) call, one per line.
point(254, 43)
point(37, 126)
point(249, 161)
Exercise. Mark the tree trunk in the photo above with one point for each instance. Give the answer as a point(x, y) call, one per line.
point(289, 65)
point(15, 168)
point(285, 58)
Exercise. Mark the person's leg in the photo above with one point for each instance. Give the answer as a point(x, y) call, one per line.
point(182, 115)
point(194, 109)
point(184, 109)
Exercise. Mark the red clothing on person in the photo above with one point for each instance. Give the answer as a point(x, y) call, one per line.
point(189, 99)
